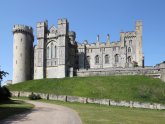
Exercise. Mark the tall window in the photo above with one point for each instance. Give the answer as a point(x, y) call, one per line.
point(52, 50)
point(88, 62)
point(106, 59)
point(116, 58)
point(55, 52)
point(48, 52)
point(130, 42)
point(129, 59)
point(129, 49)
point(97, 59)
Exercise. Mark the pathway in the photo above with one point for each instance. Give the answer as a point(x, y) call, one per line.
point(45, 113)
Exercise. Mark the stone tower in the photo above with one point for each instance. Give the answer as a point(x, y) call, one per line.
point(52, 52)
point(139, 53)
point(22, 53)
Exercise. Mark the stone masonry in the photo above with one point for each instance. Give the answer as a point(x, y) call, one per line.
point(57, 54)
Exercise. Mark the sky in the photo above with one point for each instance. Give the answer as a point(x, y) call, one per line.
point(87, 18)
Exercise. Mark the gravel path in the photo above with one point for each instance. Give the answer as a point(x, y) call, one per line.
point(45, 113)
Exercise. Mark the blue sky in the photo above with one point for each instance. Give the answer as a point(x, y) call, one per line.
point(88, 18)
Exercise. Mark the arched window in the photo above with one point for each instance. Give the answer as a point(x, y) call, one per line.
point(88, 62)
point(97, 59)
point(106, 59)
point(52, 56)
point(129, 59)
point(129, 49)
point(130, 42)
point(116, 58)
point(55, 52)
point(48, 52)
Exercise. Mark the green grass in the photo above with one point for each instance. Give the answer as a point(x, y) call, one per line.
point(96, 114)
point(12, 107)
point(135, 88)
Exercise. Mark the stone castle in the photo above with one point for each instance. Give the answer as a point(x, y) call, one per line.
point(58, 54)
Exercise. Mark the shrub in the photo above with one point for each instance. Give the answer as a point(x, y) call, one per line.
point(34, 96)
point(4, 93)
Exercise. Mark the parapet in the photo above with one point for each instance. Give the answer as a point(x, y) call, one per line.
point(139, 22)
point(42, 24)
point(23, 28)
point(72, 33)
point(62, 21)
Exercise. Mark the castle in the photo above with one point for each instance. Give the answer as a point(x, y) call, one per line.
point(58, 55)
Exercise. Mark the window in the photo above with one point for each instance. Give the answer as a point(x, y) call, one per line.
point(114, 48)
point(129, 59)
point(55, 50)
point(130, 42)
point(88, 62)
point(97, 59)
point(116, 58)
point(52, 51)
point(106, 59)
point(48, 52)
point(129, 49)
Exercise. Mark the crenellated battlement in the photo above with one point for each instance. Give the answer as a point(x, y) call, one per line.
point(23, 28)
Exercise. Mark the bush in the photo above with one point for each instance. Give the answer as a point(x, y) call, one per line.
point(34, 96)
point(4, 93)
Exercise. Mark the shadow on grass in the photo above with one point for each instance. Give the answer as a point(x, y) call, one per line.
point(13, 111)
point(18, 117)
point(9, 101)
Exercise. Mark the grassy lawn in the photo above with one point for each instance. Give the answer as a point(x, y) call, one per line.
point(135, 88)
point(96, 114)
point(12, 107)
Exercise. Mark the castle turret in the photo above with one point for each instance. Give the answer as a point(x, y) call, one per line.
point(139, 53)
point(72, 36)
point(40, 52)
point(22, 53)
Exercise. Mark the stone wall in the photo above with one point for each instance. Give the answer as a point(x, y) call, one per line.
point(155, 72)
point(108, 102)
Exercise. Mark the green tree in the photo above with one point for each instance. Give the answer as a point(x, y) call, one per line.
point(2, 74)
point(4, 92)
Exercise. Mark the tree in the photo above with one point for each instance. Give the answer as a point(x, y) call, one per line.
point(2, 74)
point(4, 92)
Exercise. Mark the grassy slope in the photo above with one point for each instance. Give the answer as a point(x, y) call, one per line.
point(95, 114)
point(136, 88)
point(13, 107)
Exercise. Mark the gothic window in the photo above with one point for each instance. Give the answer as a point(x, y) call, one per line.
point(55, 50)
point(116, 58)
point(97, 59)
point(114, 48)
point(88, 62)
point(106, 59)
point(129, 49)
point(130, 42)
point(48, 52)
point(52, 50)
point(129, 59)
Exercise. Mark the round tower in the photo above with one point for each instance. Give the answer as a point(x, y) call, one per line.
point(22, 53)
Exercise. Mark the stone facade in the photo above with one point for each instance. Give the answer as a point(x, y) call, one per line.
point(58, 55)
point(124, 53)
point(55, 51)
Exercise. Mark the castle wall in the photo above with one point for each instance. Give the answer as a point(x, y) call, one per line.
point(57, 53)
point(128, 51)
point(152, 72)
